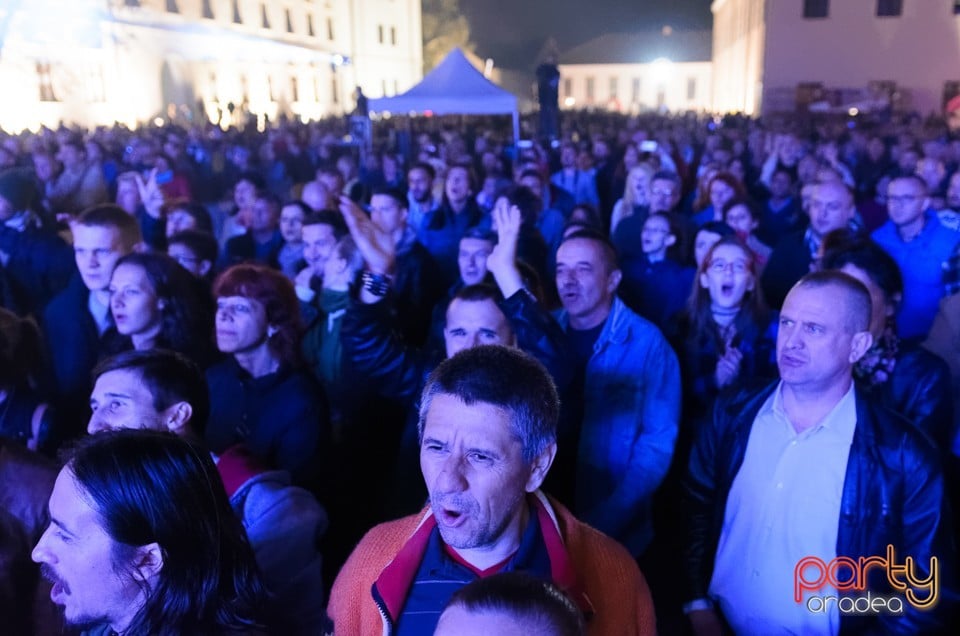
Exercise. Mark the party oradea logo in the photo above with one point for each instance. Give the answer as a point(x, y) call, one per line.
point(814, 580)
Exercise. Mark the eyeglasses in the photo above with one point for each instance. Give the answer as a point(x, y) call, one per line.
point(234, 309)
point(719, 266)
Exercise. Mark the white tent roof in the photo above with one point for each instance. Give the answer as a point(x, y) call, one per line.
point(454, 87)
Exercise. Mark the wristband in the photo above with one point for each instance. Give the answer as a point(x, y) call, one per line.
point(376, 284)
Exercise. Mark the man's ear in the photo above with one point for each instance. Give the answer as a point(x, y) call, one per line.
point(205, 267)
point(859, 345)
point(613, 280)
point(140, 248)
point(177, 417)
point(669, 240)
point(541, 466)
point(148, 562)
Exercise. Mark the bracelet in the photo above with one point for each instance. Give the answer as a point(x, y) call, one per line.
point(376, 284)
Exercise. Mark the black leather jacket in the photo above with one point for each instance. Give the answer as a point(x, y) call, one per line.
point(919, 390)
point(396, 370)
point(893, 493)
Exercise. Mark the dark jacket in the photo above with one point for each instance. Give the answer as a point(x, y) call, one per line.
point(242, 249)
point(789, 262)
point(280, 417)
point(417, 286)
point(893, 494)
point(40, 265)
point(26, 480)
point(919, 390)
point(74, 346)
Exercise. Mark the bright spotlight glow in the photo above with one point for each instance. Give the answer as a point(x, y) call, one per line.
point(660, 69)
point(569, 101)
point(853, 112)
point(158, 122)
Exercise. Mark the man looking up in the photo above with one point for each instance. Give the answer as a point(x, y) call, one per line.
point(487, 429)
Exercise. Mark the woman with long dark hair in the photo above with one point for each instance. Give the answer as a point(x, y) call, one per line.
point(725, 335)
point(156, 304)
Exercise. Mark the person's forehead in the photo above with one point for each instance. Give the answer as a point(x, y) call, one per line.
point(69, 505)
point(820, 303)
point(123, 382)
point(729, 252)
point(656, 222)
point(481, 314)
point(291, 211)
point(475, 245)
point(475, 423)
point(317, 231)
point(579, 250)
point(381, 201)
point(904, 186)
point(95, 235)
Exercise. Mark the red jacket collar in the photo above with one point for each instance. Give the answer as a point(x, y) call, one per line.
point(391, 587)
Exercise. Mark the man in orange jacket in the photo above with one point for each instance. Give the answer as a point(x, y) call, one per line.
point(488, 421)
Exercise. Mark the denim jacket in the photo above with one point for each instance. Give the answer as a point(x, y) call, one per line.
point(629, 430)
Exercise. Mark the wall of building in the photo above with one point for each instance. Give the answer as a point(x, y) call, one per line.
point(738, 48)
point(662, 84)
point(919, 50)
point(91, 63)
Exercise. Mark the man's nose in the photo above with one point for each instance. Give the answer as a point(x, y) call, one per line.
point(451, 477)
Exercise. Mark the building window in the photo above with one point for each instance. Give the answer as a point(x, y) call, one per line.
point(889, 8)
point(271, 91)
point(289, 20)
point(567, 87)
point(45, 82)
point(380, 33)
point(635, 90)
point(334, 89)
point(172, 6)
point(383, 87)
point(207, 10)
point(330, 29)
point(590, 83)
point(956, 7)
point(236, 13)
point(393, 36)
point(294, 89)
point(131, 3)
point(691, 88)
point(310, 31)
point(816, 8)
point(264, 20)
point(613, 88)
point(396, 87)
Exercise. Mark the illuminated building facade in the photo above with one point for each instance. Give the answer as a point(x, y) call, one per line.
point(780, 55)
point(98, 61)
point(663, 70)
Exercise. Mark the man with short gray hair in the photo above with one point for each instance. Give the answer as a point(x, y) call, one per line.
point(487, 428)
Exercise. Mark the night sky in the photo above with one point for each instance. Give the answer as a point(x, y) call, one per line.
point(513, 31)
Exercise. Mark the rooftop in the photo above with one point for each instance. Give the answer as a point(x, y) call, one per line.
point(643, 47)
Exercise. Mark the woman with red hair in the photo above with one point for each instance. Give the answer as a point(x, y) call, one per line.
point(259, 395)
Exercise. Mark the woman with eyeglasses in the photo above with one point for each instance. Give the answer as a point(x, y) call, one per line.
point(725, 335)
point(260, 395)
point(156, 304)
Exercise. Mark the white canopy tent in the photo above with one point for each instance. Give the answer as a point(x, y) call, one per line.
point(453, 87)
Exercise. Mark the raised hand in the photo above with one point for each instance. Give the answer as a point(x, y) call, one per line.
point(150, 193)
point(376, 246)
point(502, 262)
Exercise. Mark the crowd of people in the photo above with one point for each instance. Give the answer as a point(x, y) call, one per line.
point(619, 382)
